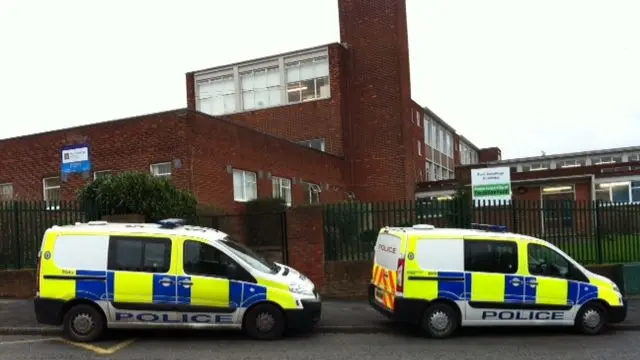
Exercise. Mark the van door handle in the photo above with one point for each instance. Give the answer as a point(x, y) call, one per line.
point(515, 282)
point(186, 283)
point(166, 282)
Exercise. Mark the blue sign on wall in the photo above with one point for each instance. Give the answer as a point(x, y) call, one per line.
point(75, 159)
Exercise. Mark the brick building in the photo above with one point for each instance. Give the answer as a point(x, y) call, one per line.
point(316, 125)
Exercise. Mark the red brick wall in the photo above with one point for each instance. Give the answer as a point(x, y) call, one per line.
point(216, 144)
point(305, 240)
point(17, 283)
point(379, 98)
point(489, 154)
point(347, 280)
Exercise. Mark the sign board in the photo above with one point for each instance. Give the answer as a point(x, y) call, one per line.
point(75, 159)
point(491, 184)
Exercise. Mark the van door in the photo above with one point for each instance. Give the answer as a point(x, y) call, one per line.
point(555, 282)
point(388, 253)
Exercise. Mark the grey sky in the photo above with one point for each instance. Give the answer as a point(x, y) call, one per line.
point(527, 76)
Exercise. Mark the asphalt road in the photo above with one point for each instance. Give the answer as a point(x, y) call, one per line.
point(539, 345)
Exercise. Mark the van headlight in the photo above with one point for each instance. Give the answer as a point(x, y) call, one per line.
point(616, 288)
point(300, 289)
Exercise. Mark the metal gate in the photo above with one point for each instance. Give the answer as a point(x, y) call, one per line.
point(264, 233)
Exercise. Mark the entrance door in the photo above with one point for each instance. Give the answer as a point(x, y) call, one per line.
point(557, 210)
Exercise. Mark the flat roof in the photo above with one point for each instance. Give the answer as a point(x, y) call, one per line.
point(577, 154)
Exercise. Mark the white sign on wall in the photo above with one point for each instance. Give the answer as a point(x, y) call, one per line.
point(491, 184)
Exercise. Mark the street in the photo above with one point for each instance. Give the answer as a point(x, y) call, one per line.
point(477, 345)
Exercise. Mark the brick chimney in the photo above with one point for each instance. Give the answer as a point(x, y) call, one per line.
point(489, 154)
point(378, 125)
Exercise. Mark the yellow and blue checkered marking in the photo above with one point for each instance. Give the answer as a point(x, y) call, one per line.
point(459, 286)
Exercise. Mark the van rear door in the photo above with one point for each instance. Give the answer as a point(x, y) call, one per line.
point(388, 252)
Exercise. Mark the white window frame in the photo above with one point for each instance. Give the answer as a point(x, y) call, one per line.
point(168, 175)
point(95, 173)
point(2, 186)
point(246, 181)
point(44, 192)
point(609, 189)
point(313, 193)
point(279, 62)
point(278, 184)
point(419, 148)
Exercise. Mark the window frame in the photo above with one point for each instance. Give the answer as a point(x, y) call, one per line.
point(573, 272)
point(95, 173)
point(279, 184)
point(164, 175)
point(244, 173)
point(479, 241)
point(309, 193)
point(168, 251)
point(11, 195)
point(45, 188)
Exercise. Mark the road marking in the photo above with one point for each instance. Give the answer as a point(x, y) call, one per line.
point(26, 341)
point(98, 349)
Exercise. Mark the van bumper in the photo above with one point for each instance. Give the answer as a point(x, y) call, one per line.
point(405, 311)
point(618, 314)
point(305, 318)
point(48, 311)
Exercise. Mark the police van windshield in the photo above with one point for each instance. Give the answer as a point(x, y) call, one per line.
point(254, 260)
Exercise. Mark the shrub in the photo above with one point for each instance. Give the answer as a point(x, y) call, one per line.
point(138, 193)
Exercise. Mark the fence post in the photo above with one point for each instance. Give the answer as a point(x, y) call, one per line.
point(16, 219)
point(600, 250)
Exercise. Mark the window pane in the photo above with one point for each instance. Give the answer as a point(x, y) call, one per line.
point(248, 100)
point(544, 261)
point(321, 68)
point(154, 256)
point(308, 90)
point(635, 195)
point(293, 92)
point(260, 79)
point(307, 70)
point(205, 260)
point(322, 87)
point(238, 185)
point(261, 98)
point(491, 256)
point(620, 193)
point(603, 195)
point(6, 192)
point(275, 97)
point(273, 78)
point(293, 73)
point(127, 254)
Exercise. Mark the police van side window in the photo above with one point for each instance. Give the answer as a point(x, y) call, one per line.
point(205, 260)
point(491, 256)
point(139, 254)
point(544, 261)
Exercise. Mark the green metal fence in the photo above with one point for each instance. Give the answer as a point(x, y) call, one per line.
point(23, 223)
point(591, 232)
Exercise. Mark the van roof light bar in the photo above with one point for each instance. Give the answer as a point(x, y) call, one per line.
point(171, 223)
point(489, 227)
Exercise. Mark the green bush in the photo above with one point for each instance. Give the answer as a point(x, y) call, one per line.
point(138, 193)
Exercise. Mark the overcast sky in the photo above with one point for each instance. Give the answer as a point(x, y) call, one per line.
point(527, 76)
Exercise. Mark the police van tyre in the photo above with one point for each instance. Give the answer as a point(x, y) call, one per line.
point(83, 323)
point(440, 321)
point(591, 319)
point(264, 322)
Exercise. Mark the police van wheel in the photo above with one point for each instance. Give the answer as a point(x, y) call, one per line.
point(440, 321)
point(83, 323)
point(591, 319)
point(264, 322)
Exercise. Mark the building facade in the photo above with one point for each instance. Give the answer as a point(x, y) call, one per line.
point(322, 124)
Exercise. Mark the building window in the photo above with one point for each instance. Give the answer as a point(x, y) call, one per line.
point(634, 157)
point(51, 189)
point(606, 160)
point(418, 118)
point(6, 192)
point(217, 95)
point(427, 130)
point(619, 192)
point(419, 148)
point(317, 144)
point(571, 163)
point(307, 79)
point(282, 189)
point(261, 88)
point(449, 145)
point(101, 174)
point(161, 169)
point(535, 167)
point(245, 187)
point(434, 135)
point(311, 193)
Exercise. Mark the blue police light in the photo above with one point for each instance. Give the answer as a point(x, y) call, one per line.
point(171, 223)
point(489, 227)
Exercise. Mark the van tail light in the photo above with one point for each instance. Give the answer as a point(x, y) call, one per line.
point(400, 276)
point(38, 267)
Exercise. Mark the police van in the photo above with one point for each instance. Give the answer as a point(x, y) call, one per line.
point(443, 279)
point(98, 275)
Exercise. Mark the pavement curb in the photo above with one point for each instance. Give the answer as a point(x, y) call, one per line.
point(29, 331)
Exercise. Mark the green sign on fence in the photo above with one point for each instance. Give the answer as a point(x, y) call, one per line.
point(491, 184)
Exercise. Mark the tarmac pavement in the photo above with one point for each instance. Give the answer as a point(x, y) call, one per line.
point(17, 318)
